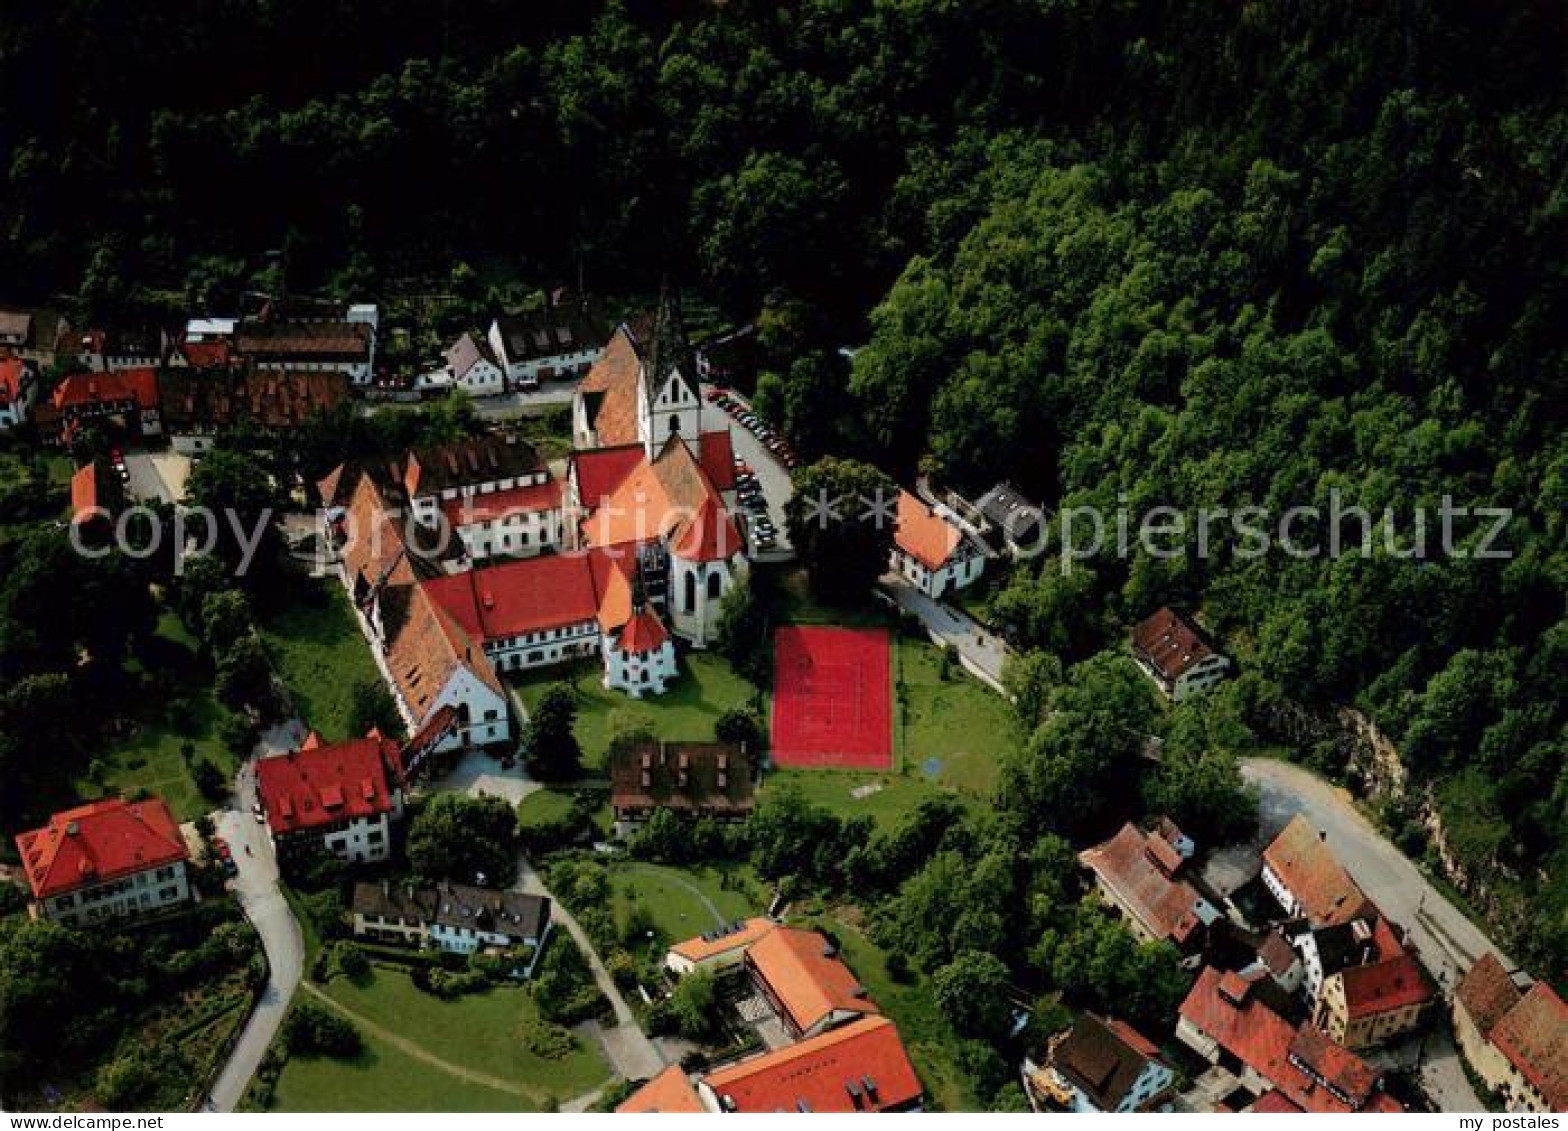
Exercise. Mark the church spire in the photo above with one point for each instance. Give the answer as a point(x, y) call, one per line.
point(670, 347)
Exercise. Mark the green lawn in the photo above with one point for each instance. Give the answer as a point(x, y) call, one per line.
point(316, 646)
point(707, 687)
point(179, 708)
point(482, 1032)
point(382, 1079)
point(676, 910)
point(931, 1042)
point(894, 796)
point(954, 731)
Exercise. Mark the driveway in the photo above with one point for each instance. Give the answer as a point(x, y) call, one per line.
point(631, 1052)
point(772, 476)
point(256, 888)
point(982, 652)
point(1446, 941)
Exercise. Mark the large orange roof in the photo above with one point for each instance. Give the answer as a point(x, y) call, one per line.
point(599, 471)
point(1305, 865)
point(658, 499)
point(861, 1066)
point(809, 981)
point(668, 1092)
point(1379, 987)
point(1533, 1035)
point(710, 536)
point(610, 389)
point(139, 385)
point(706, 946)
point(95, 843)
point(923, 534)
point(1487, 992)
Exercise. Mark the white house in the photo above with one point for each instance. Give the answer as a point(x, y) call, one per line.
point(639, 657)
point(1100, 1065)
point(1172, 653)
point(452, 917)
point(561, 340)
point(339, 799)
point(471, 366)
point(931, 551)
point(280, 338)
point(493, 492)
point(18, 392)
point(106, 860)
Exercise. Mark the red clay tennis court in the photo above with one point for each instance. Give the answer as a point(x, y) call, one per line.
point(832, 698)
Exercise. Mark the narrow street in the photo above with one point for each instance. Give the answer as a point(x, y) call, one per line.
point(632, 1054)
point(982, 652)
point(260, 897)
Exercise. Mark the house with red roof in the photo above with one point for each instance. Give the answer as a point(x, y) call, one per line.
point(1141, 875)
point(931, 550)
point(339, 798)
point(1229, 1020)
point(18, 392)
point(105, 860)
point(1515, 1040)
point(859, 1067)
point(1174, 654)
point(492, 492)
point(808, 985)
point(1376, 992)
point(1306, 879)
point(121, 400)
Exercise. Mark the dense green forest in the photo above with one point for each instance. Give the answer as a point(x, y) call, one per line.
point(1125, 253)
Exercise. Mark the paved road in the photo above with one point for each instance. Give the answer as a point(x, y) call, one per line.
point(772, 476)
point(256, 889)
point(630, 1051)
point(1446, 941)
point(983, 652)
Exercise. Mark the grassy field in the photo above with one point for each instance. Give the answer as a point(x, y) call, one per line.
point(671, 897)
point(931, 1043)
point(707, 687)
point(886, 797)
point(954, 731)
point(381, 1078)
point(315, 644)
point(179, 709)
point(480, 1033)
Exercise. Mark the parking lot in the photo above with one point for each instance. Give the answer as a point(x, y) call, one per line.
point(769, 471)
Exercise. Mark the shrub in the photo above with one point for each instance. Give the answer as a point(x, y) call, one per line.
point(210, 782)
point(314, 1030)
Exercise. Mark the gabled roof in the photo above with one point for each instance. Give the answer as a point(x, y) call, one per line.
point(82, 389)
point(658, 499)
point(94, 486)
point(861, 1066)
point(1487, 992)
point(1299, 857)
point(529, 595)
point(610, 390)
point(737, 936)
point(553, 330)
point(670, 1092)
point(321, 785)
point(1275, 1102)
point(492, 505)
point(710, 536)
point(347, 342)
point(807, 977)
point(1103, 1058)
point(467, 352)
point(923, 534)
point(1170, 643)
point(1394, 983)
point(1533, 1035)
point(99, 842)
point(708, 777)
point(1141, 869)
point(599, 471)
point(644, 633)
point(716, 453)
point(14, 373)
point(466, 463)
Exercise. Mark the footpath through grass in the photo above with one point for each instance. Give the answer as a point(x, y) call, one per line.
point(681, 902)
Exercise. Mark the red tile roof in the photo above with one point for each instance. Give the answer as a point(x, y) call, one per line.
point(1137, 866)
point(643, 633)
point(515, 598)
point(1380, 987)
point(95, 843)
point(824, 1073)
point(1533, 1035)
point(668, 1092)
point(923, 534)
point(807, 978)
point(611, 389)
point(206, 355)
point(1305, 865)
point(323, 785)
point(492, 505)
point(140, 385)
point(1276, 1103)
point(710, 536)
point(1170, 642)
point(600, 471)
point(1224, 1008)
point(1487, 992)
point(706, 946)
point(717, 455)
point(84, 493)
